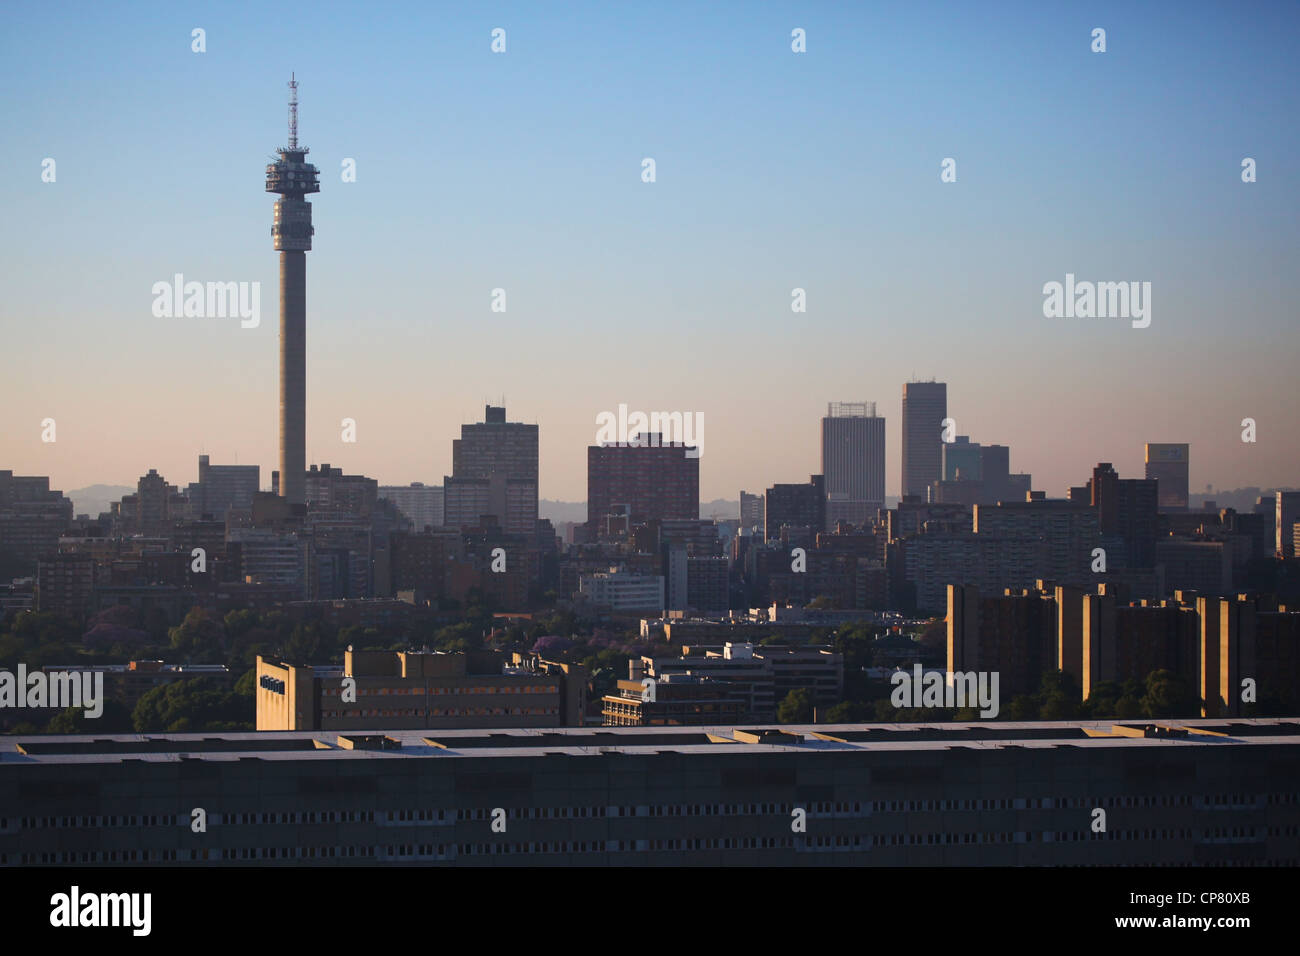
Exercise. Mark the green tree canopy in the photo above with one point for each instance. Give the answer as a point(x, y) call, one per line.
point(196, 705)
point(797, 708)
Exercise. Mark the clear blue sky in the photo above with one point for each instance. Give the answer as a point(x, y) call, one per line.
point(775, 170)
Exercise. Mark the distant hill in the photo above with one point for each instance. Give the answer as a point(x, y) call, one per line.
point(95, 499)
point(1240, 499)
point(720, 508)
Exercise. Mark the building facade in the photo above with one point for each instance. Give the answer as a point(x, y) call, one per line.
point(1198, 793)
point(853, 461)
point(653, 480)
point(1167, 464)
point(494, 468)
point(925, 406)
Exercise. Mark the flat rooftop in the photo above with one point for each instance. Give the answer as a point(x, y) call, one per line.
point(18, 751)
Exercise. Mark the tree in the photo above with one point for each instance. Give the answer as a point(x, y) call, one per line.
point(1167, 695)
point(856, 645)
point(1101, 702)
point(200, 638)
point(1128, 707)
point(1023, 707)
point(1059, 696)
point(304, 644)
point(934, 637)
point(196, 705)
point(885, 711)
point(845, 712)
point(115, 719)
point(45, 627)
point(797, 708)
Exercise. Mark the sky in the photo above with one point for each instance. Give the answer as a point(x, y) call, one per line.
point(774, 170)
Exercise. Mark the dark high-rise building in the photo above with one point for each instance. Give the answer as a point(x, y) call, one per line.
point(853, 461)
point(961, 459)
point(654, 479)
point(706, 584)
point(977, 474)
point(1286, 515)
point(421, 504)
point(222, 487)
point(65, 584)
point(1126, 507)
point(494, 472)
point(327, 489)
point(32, 518)
point(751, 510)
point(925, 406)
point(796, 506)
point(1168, 464)
point(292, 177)
point(154, 508)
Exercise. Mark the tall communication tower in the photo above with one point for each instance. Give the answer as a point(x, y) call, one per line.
point(292, 177)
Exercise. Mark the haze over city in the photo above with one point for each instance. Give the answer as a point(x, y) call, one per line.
point(774, 172)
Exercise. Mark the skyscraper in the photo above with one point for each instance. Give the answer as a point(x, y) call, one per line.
point(1287, 514)
point(961, 459)
point(925, 406)
point(419, 502)
point(222, 487)
point(853, 461)
point(653, 479)
point(152, 510)
point(494, 471)
point(751, 510)
point(32, 519)
point(796, 506)
point(1126, 507)
point(292, 177)
point(1168, 464)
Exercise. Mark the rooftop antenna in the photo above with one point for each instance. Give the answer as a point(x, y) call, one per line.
point(293, 112)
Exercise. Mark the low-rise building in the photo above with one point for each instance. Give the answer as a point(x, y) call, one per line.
point(420, 689)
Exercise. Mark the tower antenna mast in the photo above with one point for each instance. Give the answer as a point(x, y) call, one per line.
point(293, 112)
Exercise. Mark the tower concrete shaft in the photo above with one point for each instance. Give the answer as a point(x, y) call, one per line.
point(293, 375)
point(292, 177)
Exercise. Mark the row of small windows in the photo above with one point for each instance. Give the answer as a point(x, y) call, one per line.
point(812, 808)
point(301, 816)
point(94, 822)
point(440, 691)
point(420, 712)
point(427, 851)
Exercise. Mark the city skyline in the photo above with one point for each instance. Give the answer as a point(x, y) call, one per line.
point(726, 435)
point(596, 259)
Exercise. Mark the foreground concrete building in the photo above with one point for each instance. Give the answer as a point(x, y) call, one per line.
point(1191, 793)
